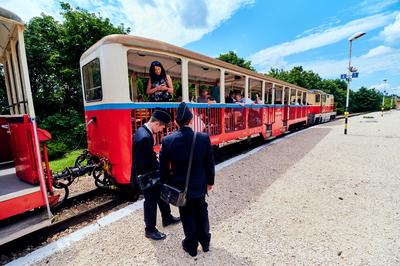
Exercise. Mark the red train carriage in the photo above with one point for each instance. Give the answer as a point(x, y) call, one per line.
point(116, 69)
point(23, 183)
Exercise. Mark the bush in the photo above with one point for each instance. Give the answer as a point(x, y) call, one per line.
point(56, 149)
point(67, 130)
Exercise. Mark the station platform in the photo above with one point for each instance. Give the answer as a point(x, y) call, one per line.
point(313, 197)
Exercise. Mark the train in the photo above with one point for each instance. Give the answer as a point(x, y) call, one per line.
point(113, 72)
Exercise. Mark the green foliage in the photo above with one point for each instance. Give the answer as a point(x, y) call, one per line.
point(298, 76)
point(366, 100)
point(3, 94)
point(67, 161)
point(56, 149)
point(232, 58)
point(68, 132)
point(53, 52)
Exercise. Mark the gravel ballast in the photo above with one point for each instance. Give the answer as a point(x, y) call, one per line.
point(318, 197)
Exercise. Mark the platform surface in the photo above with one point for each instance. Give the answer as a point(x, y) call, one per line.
point(316, 197)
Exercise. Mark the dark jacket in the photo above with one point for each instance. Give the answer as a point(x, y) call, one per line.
point(174, 159)
point(144, 159)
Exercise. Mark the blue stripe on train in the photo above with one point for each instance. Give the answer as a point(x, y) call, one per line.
point(124, 106)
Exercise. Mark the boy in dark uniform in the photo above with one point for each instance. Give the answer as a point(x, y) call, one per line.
point(145, 161)
point(174, 160)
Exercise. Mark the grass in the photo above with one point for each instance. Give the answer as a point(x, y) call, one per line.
point(67, 161)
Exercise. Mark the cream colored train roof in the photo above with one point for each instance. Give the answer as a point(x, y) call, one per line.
point(150, 44)
point(8, 21)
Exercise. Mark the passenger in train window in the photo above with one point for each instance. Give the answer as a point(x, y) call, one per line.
point(204, 97)
point(242, 101)
point(215, 91)
point(159, 86)
point(230, 98)
point(257, 99)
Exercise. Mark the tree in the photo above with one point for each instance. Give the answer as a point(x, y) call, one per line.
point(232, 58)
point(366, 100)
point(298, 76)
point(3, 93)
point(53, 53)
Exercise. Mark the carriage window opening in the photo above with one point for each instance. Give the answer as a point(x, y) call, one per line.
point(293, 99)
point(139, 68)
point(204, 85)
point(11, 76)
point(317, 98)
point(234, 87)
point(6, 109)
point(299, 101)
point(268, 93)
point(92, 81)
point(286, 95)
point(20, 78)
point(278, 95)
point(304, 98)
point(255, 90)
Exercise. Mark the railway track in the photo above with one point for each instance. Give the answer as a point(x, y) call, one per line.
point(78, 209)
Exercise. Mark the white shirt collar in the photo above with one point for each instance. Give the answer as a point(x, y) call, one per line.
point(147, 126)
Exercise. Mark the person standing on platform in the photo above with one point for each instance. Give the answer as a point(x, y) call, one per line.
point(145, 161)
point(174, 162)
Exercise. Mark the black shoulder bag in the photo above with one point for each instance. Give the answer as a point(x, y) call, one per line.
point(176, 196)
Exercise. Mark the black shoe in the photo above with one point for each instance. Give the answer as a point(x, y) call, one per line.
point(206, 248)
point(155, 235)
point(172, 220)
point(192, 253)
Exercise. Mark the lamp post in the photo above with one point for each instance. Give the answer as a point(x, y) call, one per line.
point(350, 70)
point(383, 96)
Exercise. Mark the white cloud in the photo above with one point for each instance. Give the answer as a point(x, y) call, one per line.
point(274, 56)
point(367, 64)
point(174, 21)
point(377, 51)
point(29, 9)
point(391, 33)
point(374, 6)
point(178, 22)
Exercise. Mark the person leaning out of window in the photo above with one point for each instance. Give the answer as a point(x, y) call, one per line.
point(159, 86)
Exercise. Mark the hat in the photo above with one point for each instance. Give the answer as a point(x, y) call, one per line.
point(162, 115)
point(183, 114)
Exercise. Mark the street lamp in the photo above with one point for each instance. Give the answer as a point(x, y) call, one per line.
point(350, 70)
point(383, 96)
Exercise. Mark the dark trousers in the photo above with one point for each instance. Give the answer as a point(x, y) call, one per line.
point(194, 217)
point(151, 199)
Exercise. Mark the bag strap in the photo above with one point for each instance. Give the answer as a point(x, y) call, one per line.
point(190, 163)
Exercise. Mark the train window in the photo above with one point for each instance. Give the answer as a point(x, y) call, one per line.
point(23, 100)
point(268, 93)
point(234, 84)
point(204, 85)
point(278, 95)
point(255, 90)
point(293, 99)
point(318, 98)
point(139, 63)
point(92, 81)
point(286, 95)
point(304, 98)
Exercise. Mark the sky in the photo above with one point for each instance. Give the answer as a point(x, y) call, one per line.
point(278, 34)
